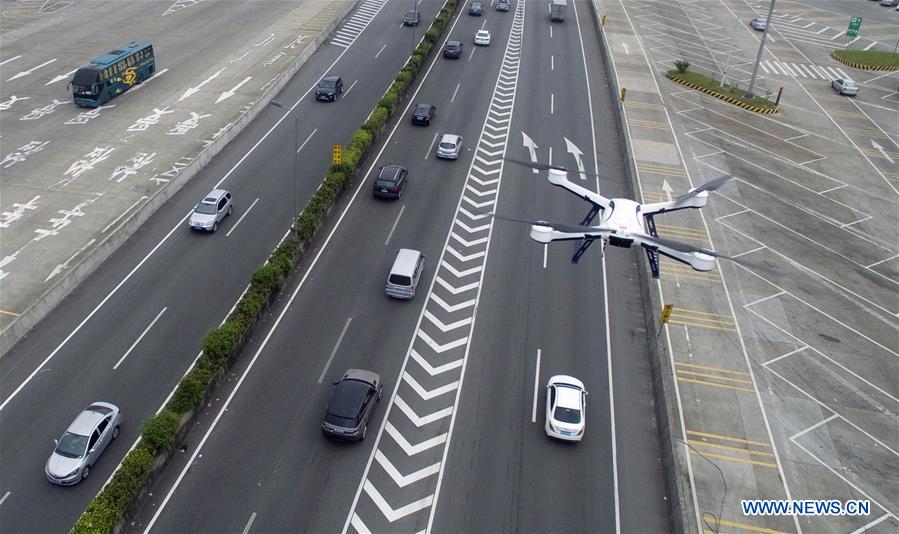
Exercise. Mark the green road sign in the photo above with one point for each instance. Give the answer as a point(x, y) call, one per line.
point(854, 24)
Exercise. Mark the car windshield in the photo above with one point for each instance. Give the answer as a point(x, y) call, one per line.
point(205, 209)
point(72, 445)
point(567, 415)
point(422, 110)
point(327, 84)
point(382, 182)
point(453, 45)
point(448, 146)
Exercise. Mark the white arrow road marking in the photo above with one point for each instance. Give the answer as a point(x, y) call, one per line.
point(456, 290)
point(437, 347)
point(65, 265)
point(666, 187)
point(428, 395)
point(408, 448)
point(459, 274)
point(421, 421)
point(391, 514)
point(572, 149)
point(29, 71)
point(532, 148)
point(401, 480)
point(434, 371)
point(882, 151)
point(193, 90)
point(478, 193)
point(229, 94)
point(446, 327)
point(359, 525)
point(471, 215)
point(471, 243)
point(62, 77)
point(626, 49)
point(468, 257)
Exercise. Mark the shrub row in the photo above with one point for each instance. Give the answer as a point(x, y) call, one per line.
point(158, 434)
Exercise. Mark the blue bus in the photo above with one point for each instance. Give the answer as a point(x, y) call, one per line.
point(113, 73)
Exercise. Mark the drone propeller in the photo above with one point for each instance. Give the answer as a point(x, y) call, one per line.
point(711, 185)
point(561, 227)
point(545, 166)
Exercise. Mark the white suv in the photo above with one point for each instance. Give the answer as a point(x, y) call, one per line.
point(211, 210)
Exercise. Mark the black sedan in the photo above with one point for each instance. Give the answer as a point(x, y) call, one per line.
point(352, 404)
point(452, 49)
point(475, 9)
point(423, 113)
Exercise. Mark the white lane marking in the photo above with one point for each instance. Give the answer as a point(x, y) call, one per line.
point(140, 337)
point(307, 140)
point(545, 248)
point(814, 426)
point(431, 146)
point(334, 351)
point(822, 30)
point(249, 523)
point(381, 50)
point(552, 103)
point(870, 46)
point(241, 217)
point(550, 32)
point(392, 228)
point(108, 226)
point(883, 260)
point(453, 99)
point(869, 526)
point(29, 71)
point(350, 89)
point(8, 492)
point(536, 388)
point(4, 63)
point(552, 62)
point(471, 54)
point(837, 35)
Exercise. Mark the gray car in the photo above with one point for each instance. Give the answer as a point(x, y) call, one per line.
point(83, 443)
point(352, 404)
point(210, 211)
point(449, 147)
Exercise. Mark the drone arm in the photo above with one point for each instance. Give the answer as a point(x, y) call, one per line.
point(696, 201)
point(545, 234)
point(695, 259)
point(560, 178)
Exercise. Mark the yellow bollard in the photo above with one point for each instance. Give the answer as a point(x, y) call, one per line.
point(623, 93)
point(603, 23)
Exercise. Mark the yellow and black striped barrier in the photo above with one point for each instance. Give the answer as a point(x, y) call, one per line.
point(729, 99)
point(862, 66)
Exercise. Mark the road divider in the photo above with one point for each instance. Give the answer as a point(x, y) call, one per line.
point(144, 464)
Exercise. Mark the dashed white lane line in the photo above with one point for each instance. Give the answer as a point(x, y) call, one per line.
point(307, 140)
point(536, 388)
point(434, 140)
point(8, 492)
point(453, 99)
point(381, 50)
point(140, 337)
point(249, 523)
point(402, 208)
point(336, 347)
point(244, 214)
point(350, 89)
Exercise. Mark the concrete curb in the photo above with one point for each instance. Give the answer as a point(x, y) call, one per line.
point(731, 100)
point(86, 267)
point(862, 66)
point(674, 460)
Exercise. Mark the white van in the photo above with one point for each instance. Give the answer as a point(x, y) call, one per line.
point(405, 274)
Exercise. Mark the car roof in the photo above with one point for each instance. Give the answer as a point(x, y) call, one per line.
point(330, 78)
point(450, 138)
point(453, 43)
point(391, 168)
point(84, 424)
point(215, 195)
point(568, 396)
point(425, 106)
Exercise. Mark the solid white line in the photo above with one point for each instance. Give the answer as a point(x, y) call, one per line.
point(431, 146)
point(249, 523)
point(881, 261)
point(241, 217)
point(867, 527)
point(837, 35)
point(8, 492)
point(333, 352)
point(763, 299)
point(453, 99)
point(822, 30)
point(403, 207)
point(814, 426)
point(350, 89)
point(756, 249)
point(536, 388)
point(140, 337)
point(307, 140)
point(545, 248)
point(870, 46)
point(381, 50)
point(552, 101)
point(4, 63)
point(782, 356)
point(141, 199)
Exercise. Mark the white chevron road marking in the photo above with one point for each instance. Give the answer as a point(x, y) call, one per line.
point(434, 371)
point(359, 525)
point(437, 347)
point(493, 145)
point(472, 216)
point(424, 393)
point(404, 480)
point(478, 204)
point(491, 154)
point(456, 290)
point(446, 327)
point(408, 448)
point(471, 243)
point(483, 182)
point(479, 193)
point(464, 258)
point(482, 171)
point(459, 274)
point(487, 161)
point(471, 230)
point(391, 514)
point(421, 421)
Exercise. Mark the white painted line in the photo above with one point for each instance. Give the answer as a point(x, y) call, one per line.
point(244, 214)
point(334, 351)
point(550, 31)
point(545, 248)
point(471, 54)
point(431, 146)
point(843, 75)
point(831, 189)
point(8, 492)
point(552, 101)
point(4, 63)
point(392, 228)
point(141, 199)
point(306, 141)
point(536, 388)
point(350, 89)
point(453, 99)
point(853, 40)
point(806, 70)
point(381, 50)
point(763, 299)
point(249, 523)
point(782, 356)
point(868, 527)
point(788, 68)
point(552, 62)
point(883, 260)
point(809, 25)
point(140, 337)
point(764, 68)
point(870, 46)
point(822, 30)
point(483, 24)
point(814, 426)
point(837, 35)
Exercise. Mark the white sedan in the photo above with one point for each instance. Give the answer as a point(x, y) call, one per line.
point(566, 408)
point(482, 38)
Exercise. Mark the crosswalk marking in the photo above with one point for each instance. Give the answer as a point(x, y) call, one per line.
point(801, 70)
point(356, 24)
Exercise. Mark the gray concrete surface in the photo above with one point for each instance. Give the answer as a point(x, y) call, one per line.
point(78, 182)
point(783, 367)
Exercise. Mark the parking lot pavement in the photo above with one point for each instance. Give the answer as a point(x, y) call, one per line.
point(782, 365)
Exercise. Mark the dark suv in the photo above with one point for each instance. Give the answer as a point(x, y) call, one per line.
point(391, 181)
point(452, 49)
point(352, 404)
point(423, 113)
point(475, 9)
point(329, 88)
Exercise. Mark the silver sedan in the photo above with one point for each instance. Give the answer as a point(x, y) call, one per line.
point(83, 443)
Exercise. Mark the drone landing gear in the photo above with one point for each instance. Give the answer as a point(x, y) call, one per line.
point(652, 254)
point(585, 243)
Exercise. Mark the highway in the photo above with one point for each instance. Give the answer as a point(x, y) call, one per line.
point(459, 445)
point(179, 282)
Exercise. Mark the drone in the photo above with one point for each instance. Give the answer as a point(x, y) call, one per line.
point(624, 222)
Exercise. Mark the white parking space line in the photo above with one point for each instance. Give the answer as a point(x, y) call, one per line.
point(249, 523)
point(536, 388)
point(307, 140)
point(392, 228)
point(381, 50)
point(8, 492)
point(453, 99)
point(350, 89)
point(870, 46)
point(431, 146)
point(140, 337)
point(822, 30)
point(837, 35)
point(242, 216)
point(333, 352)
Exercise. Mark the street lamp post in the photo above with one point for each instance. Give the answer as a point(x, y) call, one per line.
point(758, 59)
point(296, 125)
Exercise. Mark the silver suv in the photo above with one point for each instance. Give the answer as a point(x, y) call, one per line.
point(83, 443)
point(211, 210)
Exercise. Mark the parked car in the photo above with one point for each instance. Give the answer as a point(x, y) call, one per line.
point(566, 408)
point(329, 88)
point(452, 49)
point(423, 113)
point(352, 404)
point(758, 23)
point(82, 443)
point(475, 9)
point(412, 17)
point(482, 38)
point(391, 181)
point(845, 86)
point(502, 5)
point(449, 147)
point(209, 212)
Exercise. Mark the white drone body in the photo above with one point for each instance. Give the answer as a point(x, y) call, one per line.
point(624, 222)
